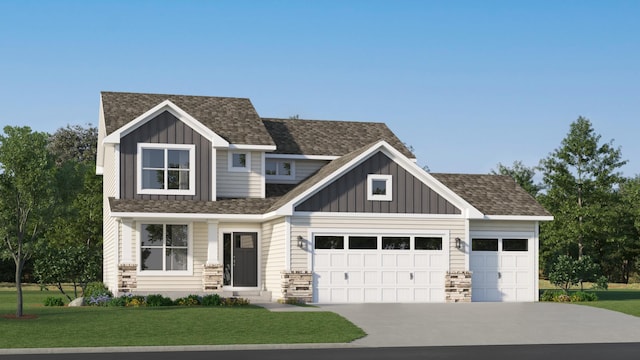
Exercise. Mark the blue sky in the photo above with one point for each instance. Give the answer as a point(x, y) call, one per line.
point(468, 84)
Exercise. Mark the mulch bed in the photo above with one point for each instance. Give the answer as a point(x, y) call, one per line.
point(23, 317)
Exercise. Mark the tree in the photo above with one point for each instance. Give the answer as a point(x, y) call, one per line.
point(579, 178)
point(74, 238)
point(26, 195)
point(522, 174)
point(74, 143)
point(567, 272)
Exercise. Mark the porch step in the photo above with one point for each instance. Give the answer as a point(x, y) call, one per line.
point(254, 296)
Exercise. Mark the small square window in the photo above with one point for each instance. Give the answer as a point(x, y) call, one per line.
point(239, 161)
point(379, 187)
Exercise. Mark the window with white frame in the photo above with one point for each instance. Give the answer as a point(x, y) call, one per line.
point(379, 187)
point(164, 248)
point(239, 161)
point(167, 169)
point(279, 169)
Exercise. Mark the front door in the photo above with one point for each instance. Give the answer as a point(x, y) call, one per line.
point(245, 259)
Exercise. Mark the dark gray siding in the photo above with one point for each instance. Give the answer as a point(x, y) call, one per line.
point(349, 192)
point(164, 129)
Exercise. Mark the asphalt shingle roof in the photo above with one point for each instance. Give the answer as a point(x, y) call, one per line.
point(493, 194)
point(234, 119)
point(248, 206)
point(325, 137)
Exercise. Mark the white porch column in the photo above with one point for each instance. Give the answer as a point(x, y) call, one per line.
point(212, 243)
point(127, 233)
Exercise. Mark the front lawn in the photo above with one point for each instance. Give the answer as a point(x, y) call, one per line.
point(624, 298)
point(116, 326)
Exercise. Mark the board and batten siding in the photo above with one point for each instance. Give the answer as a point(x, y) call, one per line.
point(273, 255)
point(348, 193)
point(300, 225)
point(109, 225)
point(239, 183)
point(188, 283)
point(164, 129)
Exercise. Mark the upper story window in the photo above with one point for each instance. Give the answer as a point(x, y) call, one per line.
point(279, 169)
point(379, 187)
point(239, 161)
point(166, 169)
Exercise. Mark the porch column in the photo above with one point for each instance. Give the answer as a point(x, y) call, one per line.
point(127, 233)
point(212, 243)
point(212, 275)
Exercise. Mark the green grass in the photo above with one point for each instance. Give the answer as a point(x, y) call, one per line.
point(624, 298)
point(113, 326)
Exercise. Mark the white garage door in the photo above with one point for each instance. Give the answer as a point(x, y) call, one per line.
point(379, 268)
point(503, 269)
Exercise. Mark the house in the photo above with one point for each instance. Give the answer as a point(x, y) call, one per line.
point(203, 195)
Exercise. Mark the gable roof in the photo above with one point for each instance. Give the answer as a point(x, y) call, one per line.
point(234, 119)
point(325, 137)
point(493, 194)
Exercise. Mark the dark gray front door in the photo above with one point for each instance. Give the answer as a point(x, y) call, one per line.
point(245, 259)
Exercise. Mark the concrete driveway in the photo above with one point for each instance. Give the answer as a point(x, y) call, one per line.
point(487, 324)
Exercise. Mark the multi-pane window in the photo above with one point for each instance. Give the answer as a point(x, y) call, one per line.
point(279, 168)
point(166, 169)
point(164, 247)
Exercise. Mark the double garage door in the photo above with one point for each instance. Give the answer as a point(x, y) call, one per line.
point(503, 268)
point(356, 268)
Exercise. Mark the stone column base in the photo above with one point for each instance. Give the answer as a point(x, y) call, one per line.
point(457, 286)
point(297, 286)
point(212, 277)
point(127, 278)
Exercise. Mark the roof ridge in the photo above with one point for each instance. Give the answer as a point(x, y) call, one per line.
point(183, 95)
point(324, 120)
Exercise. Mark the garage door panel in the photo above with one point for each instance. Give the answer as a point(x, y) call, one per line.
point(436, 278)
point(436, 261)
point(404, 295)
point(389, 260)
point(371, 277)
point(355, 260)
point(371, 261)
point(338, 260)
point(355, 277)
point(371, 294)
point(421, 260)
point(388, 277)
point(354, 295)
point(404, 261)
point(404, 278)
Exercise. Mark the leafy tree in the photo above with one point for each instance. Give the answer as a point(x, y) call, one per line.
point(580, 178)
point(623, 248)
point(77, 227)
point(567, 272)
point(74, 143)
point(522, 174)
point(26, 196)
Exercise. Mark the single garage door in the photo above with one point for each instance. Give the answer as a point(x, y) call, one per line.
point(379, 268)
point(503, 268)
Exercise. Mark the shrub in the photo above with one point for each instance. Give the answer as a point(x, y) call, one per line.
point(53, 301)
point(550, 295)
point(158, 300)
point(190, 300)
point(211, 300)
point(234, 301)
point(96, 289)
point(580, 296)
point(99, 300)
point(563, 298)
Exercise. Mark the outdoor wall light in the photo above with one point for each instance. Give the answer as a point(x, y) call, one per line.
point(458, 243)
point(300, 242)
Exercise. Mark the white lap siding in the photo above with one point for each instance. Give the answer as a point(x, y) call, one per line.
point(238, 184)
point(305, 168)
point(300, 226)
point(273, 255)
point(109, 225)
